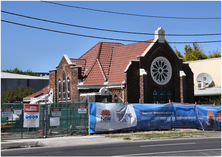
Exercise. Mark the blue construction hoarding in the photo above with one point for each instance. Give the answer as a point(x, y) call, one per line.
point(111, 117)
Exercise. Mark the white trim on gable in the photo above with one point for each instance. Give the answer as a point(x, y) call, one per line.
point(172, 49)
point(149, 47)
point(130, 62)
point(67, 59)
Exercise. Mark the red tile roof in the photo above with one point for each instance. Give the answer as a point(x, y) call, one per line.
point(107, 61)
point(96, 75)
point(121, 57)
point(79, 62)
point(41, 92)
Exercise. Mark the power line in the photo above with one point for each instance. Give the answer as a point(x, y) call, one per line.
point(96, 36)
point(101, 29)
point(105, 11)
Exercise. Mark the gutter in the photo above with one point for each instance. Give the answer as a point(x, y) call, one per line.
point(119, 85)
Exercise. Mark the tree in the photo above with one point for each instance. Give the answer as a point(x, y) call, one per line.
point(178, 53)
point(17, 94)
point(196, 53)
point(17, 71)
point(214, 54)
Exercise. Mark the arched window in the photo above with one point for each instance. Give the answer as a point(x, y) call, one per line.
point(162, 96)
point(68, 88)
point(115, 98)
point(155, 96)
point(64, 84)
point(59, 89)
point(169, 98)
point(63, 76)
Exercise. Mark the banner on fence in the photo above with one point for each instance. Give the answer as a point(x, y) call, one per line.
point(114, 116)
point(185, 116)
point(152, 116)
point(210, 117)
point(110, 117)
point(31, 116)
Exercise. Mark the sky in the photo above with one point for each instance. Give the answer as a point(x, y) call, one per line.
point(40, 50)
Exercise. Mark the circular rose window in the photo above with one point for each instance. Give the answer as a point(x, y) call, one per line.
point(161, 70)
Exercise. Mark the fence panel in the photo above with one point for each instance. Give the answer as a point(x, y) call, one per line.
point(54, 120)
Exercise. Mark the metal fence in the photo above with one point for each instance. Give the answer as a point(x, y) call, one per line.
point(62, 119)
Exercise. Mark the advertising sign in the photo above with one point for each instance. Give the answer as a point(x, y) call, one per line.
point(56, 112)
point(82, 109)
point(31, 116)
point(7, 112)
point(17, 111)
point(111, 117)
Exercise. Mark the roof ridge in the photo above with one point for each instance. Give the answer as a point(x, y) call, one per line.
point(44, 91)
point(77, 59)
point(139, 42)
point(90, 49)
point(104, 76)
point(98, 54)
point(90, 69)
point(110, 63)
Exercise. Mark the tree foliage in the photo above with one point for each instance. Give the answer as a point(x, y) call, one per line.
point(196, 53)
point(17, 71)
point(178, 53)
point(17, 94)
point(214, 54)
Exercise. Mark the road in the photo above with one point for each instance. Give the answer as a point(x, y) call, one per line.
point(173, 147)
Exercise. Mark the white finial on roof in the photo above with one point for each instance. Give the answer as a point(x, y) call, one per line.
point(160, 34)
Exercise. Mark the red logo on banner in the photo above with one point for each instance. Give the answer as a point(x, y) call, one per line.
point(105, 112)
point(31, 108)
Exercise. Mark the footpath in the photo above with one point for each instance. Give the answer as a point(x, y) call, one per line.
point(87, 140)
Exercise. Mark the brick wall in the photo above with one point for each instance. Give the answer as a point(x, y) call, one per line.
point(189, 89)
point(164, 50)
point(52, 84)
point(183, 89)
point(132, 82)
point(73, 72)
point(143, 88)
point(118, 92)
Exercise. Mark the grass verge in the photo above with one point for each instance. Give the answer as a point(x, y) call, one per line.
point(158, 135)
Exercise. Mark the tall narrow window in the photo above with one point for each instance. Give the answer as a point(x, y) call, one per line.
point(68, 88)
point(169, 98)
point(161, 96)
point(115, 98)
point(64, 84)
point(59, 89)
point(155, 97)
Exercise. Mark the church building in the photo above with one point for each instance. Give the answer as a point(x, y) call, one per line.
point(146, 72)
